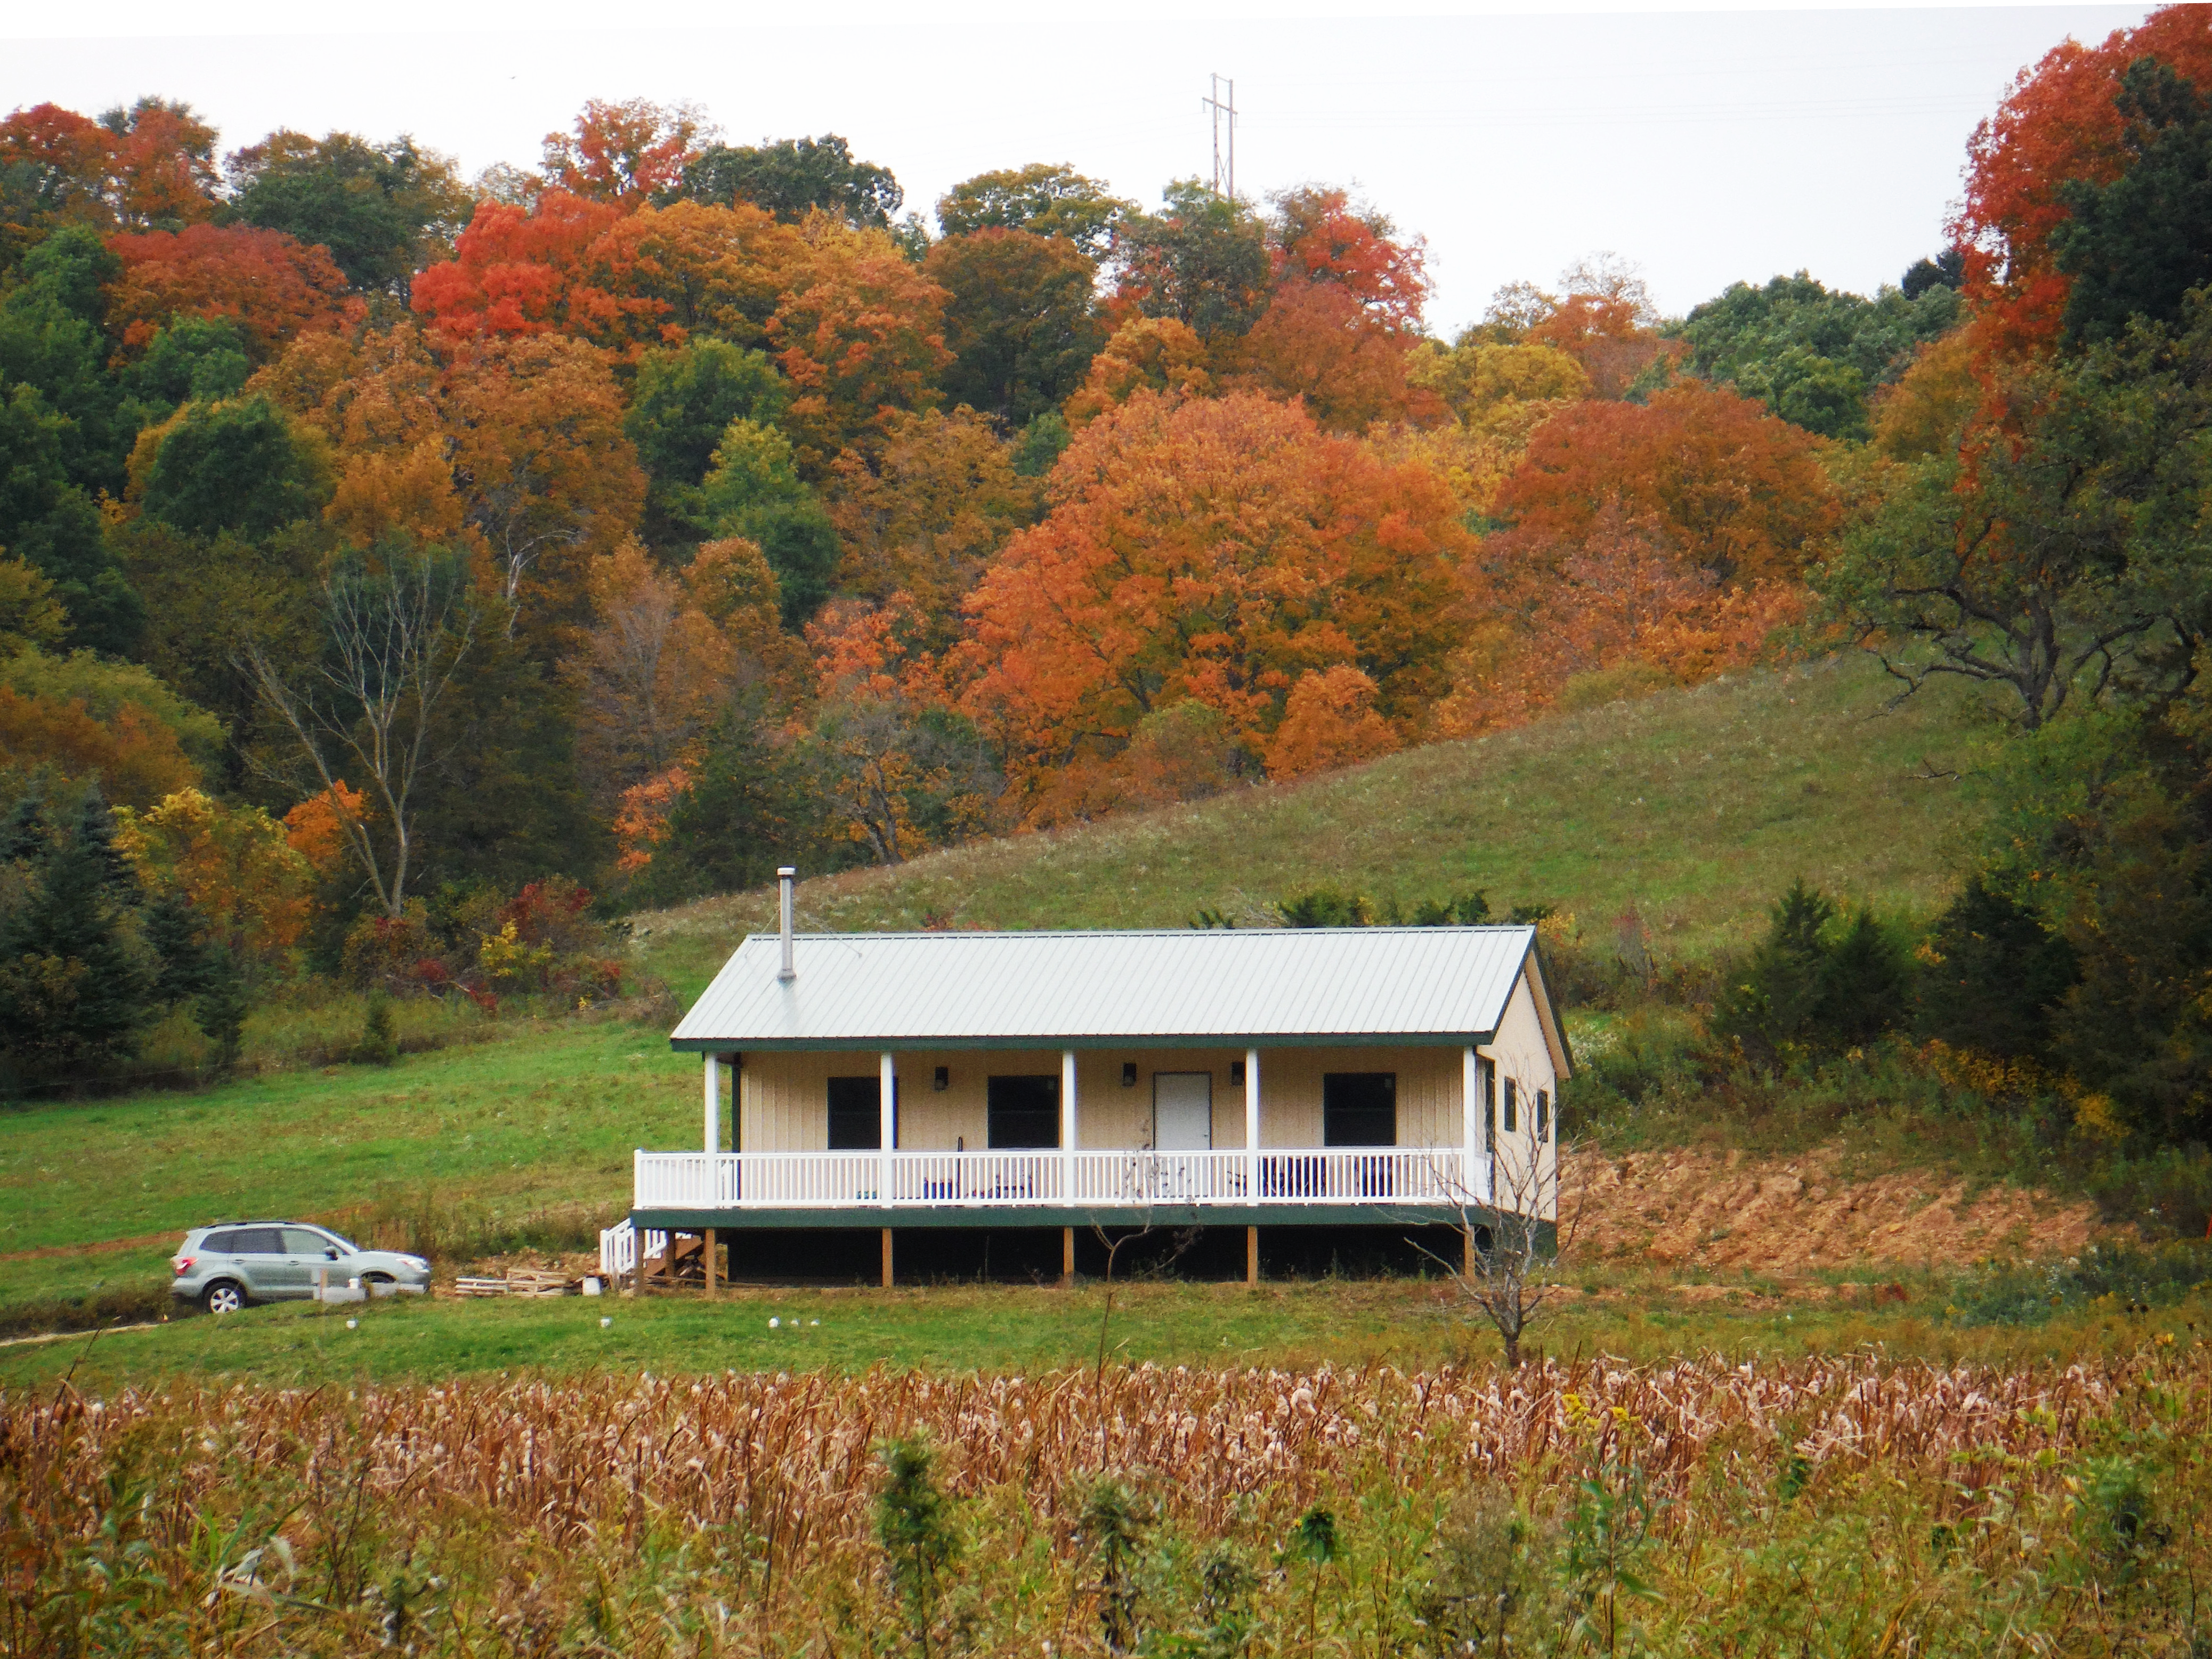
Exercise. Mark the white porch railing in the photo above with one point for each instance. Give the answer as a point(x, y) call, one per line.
point(921, 1179)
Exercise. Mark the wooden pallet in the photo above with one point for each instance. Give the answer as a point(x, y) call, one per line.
point(539, 1281)
point(479, 1287)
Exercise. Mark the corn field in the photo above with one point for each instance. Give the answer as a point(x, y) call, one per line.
point(1831, 1505)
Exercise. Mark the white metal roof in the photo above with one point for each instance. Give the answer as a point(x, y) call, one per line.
point(1077, 989)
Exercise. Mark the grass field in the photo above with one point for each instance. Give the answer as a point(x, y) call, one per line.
point(1634, 1314)
point(1697, 806)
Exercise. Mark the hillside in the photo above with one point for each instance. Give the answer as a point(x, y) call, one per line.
point(1695, 805)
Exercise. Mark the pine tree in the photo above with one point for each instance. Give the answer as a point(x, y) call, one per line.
point(1996, 971)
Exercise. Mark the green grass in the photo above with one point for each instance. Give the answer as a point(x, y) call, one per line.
point(1697, 806)
point(967, 1328)
point(462, 1137)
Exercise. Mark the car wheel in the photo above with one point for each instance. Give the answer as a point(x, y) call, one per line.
point(222, 1298)
point(376, 1279)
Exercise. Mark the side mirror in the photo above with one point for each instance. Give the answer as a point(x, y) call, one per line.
point(330, 1251)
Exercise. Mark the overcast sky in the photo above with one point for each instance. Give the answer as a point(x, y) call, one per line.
point(1705, 146)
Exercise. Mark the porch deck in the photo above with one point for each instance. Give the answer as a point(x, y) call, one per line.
point(1047, 1187)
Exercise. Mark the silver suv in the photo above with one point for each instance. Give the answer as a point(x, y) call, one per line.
point(223, 1267)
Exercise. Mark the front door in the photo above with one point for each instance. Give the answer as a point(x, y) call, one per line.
point(1183, 1112)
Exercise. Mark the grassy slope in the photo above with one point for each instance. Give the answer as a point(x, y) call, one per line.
point(1697, 805)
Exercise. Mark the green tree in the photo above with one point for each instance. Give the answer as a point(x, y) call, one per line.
point(2136, 247)
point(681, 404)
point(792, 177)
point(52, 525)
point(916, 1526)
point(1201, 261)
point(77, 977)
point(383, 210)
point(1993, 974)
point(1812, 354)
point(1042, 199)
point(51, 339)
point(201, 359)
point(1811, 987)
point(241, 466)
point(2061, 551)
point(1021, 322)
point(754, 490)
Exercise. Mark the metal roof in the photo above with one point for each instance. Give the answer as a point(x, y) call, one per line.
point(1076, 989)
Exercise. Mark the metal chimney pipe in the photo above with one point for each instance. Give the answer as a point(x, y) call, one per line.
point(786, 878)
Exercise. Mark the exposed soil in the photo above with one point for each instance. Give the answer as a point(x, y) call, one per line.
point(1721, 1210)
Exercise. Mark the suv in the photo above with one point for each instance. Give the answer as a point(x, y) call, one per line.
point(225, 1266)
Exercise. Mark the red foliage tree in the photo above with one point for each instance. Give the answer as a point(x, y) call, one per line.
point(274, 287)
point(2058, 122)
point(626, 153)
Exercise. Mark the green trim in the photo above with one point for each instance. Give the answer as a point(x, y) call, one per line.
point(981, 1217)
point(916, 1045)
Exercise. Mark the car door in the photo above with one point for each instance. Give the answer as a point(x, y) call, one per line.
point(258, 1253)
point(307, 1252)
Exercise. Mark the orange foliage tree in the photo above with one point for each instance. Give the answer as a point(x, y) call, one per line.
point(1211, 551)
point(859, 333)
point(1739, 492)
point(2058, 123)
point(1145, 354)
point(1328, 721)
point(58, 164)
point(272, 286)
point(136, 757)
point(626, 153)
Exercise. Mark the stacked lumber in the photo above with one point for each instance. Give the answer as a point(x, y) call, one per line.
point(479, 1287)
point(539, 1281)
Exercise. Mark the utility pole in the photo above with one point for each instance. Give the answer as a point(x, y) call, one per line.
point(1213, 104)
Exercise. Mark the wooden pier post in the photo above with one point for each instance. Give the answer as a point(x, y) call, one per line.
point(1251, 1256)
point(710, 1263)
point(1067, 1256)
point(887, 1258)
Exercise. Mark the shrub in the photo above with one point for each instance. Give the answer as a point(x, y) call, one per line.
point(1819, 982)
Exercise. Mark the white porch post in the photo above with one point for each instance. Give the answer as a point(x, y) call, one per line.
point(1470, 1088)
point(1067, 1126)
point(714, 1102)
point(886, 1124)
point(1252, 1126)
point(1485, 1178)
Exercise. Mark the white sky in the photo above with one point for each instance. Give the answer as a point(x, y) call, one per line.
point(1705, 146)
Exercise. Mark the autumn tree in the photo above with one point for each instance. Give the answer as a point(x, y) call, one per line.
point(1212, 550)
point(2060, 127)
point(1328, 721)
point(233, 865)
point(793, 177)
point(859, 334)
point(161, 166)
point(1145, 354)
point(1019, 320)
point(628, 153)
point(1042, 199)
point(383, 211)
point(53, 171)
point(1738, 491)
point(925, 513)
point(272, 286)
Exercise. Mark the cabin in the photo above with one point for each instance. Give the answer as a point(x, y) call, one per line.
point(1231, 1077)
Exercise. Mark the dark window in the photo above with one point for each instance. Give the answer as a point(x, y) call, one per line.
point(1543, 1116)
point(1024, 1111)
point(224, 1244)
point(1359, 1109)
point(856, 1114)
point(256, 1241)
point(1512, 1106)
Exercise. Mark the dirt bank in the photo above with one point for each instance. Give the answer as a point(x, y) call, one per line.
point(1715, 1209)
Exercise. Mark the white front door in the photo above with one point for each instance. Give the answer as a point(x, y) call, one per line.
point(1183, 1112)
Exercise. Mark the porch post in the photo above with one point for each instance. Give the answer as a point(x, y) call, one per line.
point(714, 1101)
point(1470, 1112)
point(711, 1249)
point(886, 1132)
point(1251, 1125)
point(1067, 1126)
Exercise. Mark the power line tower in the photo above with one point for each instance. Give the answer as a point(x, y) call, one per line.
point(1214, 105)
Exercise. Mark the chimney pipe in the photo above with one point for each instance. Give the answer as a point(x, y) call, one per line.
point(785, 878)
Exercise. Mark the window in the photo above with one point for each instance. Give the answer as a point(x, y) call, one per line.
point(1512, 1106)
point(1359, 1109)
point(256, 1241)
point(298, 1241)
point(856, 1114)
point(1543, 1116)
point(1021, 1112)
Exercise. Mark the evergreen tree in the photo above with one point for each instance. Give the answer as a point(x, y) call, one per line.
point(1772, 1003)
point(1994, 974)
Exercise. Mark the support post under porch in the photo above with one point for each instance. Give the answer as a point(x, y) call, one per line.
point(1067, 1257)
point(1252, 1256)
point(709, 1261)
point(887, 1258)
